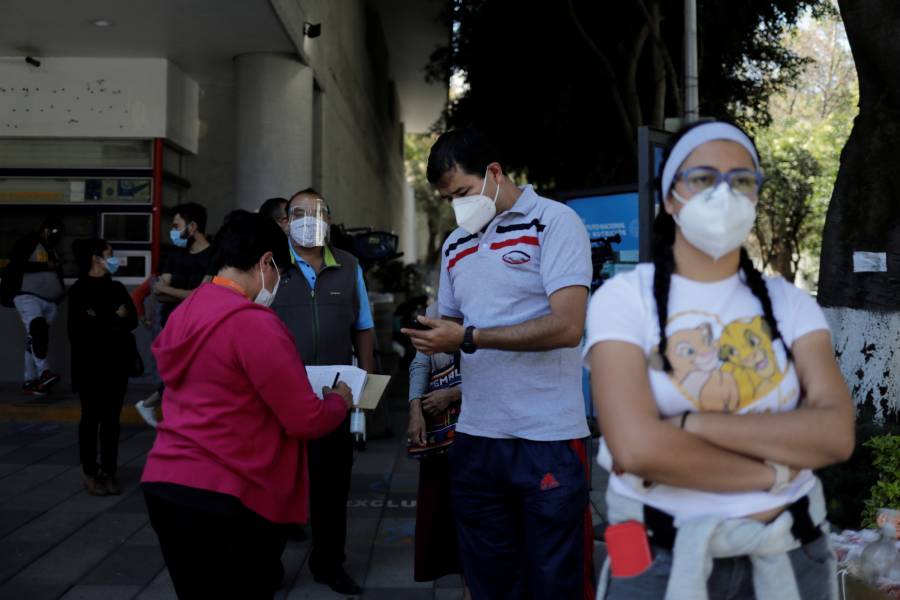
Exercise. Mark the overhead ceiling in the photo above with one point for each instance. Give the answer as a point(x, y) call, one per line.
point(200, 36)
point(412, 30)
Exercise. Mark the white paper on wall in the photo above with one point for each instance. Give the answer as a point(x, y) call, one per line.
point(869, 262)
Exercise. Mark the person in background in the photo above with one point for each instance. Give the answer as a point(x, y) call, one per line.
point(434, 390)
point(33, 283)
point(323, 302)
point(186, 267)
point(513, 293)
point(277, 209)
point(228, 466)
point(718, 394)
point(148, 315)
point(101, 317)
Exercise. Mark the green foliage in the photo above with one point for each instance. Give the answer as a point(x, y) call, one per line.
point(886, 491)
point(847, 484)
point(438, 213)
point(790, 216)
point(801, 146)
point(561, 87)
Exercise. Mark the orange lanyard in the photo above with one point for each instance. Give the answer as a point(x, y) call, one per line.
point(225, 282)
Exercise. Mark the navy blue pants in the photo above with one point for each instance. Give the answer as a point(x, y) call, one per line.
point(522, 516)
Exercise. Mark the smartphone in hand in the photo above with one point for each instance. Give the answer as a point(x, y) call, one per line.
point(415, 324)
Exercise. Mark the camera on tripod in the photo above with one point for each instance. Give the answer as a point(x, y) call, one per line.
point(602, 253)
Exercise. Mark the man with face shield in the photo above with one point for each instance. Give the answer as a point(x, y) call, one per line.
point(324, 303)
point(33, 283)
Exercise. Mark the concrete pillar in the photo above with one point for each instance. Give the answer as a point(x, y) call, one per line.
point(408, 234)
point(273, 127)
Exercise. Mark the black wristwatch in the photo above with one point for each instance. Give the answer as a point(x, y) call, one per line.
point(468, 344)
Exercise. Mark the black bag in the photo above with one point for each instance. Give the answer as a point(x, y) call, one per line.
point(10, 284)
point(135, 364)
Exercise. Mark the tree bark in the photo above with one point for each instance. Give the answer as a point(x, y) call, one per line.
point(864, 214)
point(863, 307)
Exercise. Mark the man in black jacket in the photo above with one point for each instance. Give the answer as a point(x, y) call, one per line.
point(323, 301)
point(33, 283)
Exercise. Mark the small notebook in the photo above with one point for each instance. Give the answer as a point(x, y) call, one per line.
point(367, 389)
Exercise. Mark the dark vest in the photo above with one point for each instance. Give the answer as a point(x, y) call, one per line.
point(322, 319)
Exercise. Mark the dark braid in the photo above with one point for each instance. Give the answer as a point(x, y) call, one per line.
point(757, 285)
point(664, 266)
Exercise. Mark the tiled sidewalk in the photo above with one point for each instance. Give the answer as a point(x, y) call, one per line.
point(58, 542)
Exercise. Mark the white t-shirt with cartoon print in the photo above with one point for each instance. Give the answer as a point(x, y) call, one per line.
point(723, 360)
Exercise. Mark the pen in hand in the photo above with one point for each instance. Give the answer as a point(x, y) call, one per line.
point(336, 377)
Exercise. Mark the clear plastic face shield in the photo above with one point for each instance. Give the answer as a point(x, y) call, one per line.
point(309, 223)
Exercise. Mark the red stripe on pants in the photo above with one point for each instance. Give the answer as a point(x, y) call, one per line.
point(581, 450)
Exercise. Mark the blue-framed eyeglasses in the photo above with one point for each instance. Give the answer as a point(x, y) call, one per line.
point(700, 179)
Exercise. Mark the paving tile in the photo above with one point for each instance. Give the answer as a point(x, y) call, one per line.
point(32, 591)
point(400, 504)
point(27, 455)
point(75, 556)
point(10, 520)
point(102, 592)
point(65, 456)
point(67, 437)
point(18, 554)
point(4, 448)
point(27, 478)
point(29, 434)
point(145, 536)
point(133, 502)
point(365, 483)
point(405, 482)
point(449, 581)
point(50, 493)
point(392, 567)
point(159, 589)
point(397, 594)
point(305, 588)
point(9, 468)
point(127, 565)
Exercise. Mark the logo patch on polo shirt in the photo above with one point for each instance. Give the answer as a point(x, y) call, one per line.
point(516, 257)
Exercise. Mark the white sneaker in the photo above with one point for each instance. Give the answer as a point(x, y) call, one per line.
point(147, 413)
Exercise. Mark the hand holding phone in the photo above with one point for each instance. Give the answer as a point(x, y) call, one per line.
point(415, 324)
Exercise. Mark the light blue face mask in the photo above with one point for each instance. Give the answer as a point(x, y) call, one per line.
point(177, 240)
point(112, 264)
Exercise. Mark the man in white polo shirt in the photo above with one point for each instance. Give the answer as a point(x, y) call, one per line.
point(514, 287)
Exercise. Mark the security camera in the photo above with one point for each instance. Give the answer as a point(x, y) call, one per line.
point(312, 30)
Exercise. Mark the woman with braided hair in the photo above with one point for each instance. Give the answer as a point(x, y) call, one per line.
point(717, 393)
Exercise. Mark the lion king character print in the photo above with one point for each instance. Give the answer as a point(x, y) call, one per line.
point(694, 356)
point(745, 348)
point(722, 367)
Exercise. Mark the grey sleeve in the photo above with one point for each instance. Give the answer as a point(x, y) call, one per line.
point(419, 371)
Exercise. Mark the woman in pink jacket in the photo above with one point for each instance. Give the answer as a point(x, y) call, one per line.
point(229, 463)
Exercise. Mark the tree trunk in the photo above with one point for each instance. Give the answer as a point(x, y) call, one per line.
point(863, 306)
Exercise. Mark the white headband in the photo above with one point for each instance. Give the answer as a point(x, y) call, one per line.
point(697, 136)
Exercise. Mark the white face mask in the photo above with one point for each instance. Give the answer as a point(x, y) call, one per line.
point(265, 297)
point(309, 232)
point(716, 221)
point(474, 212)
